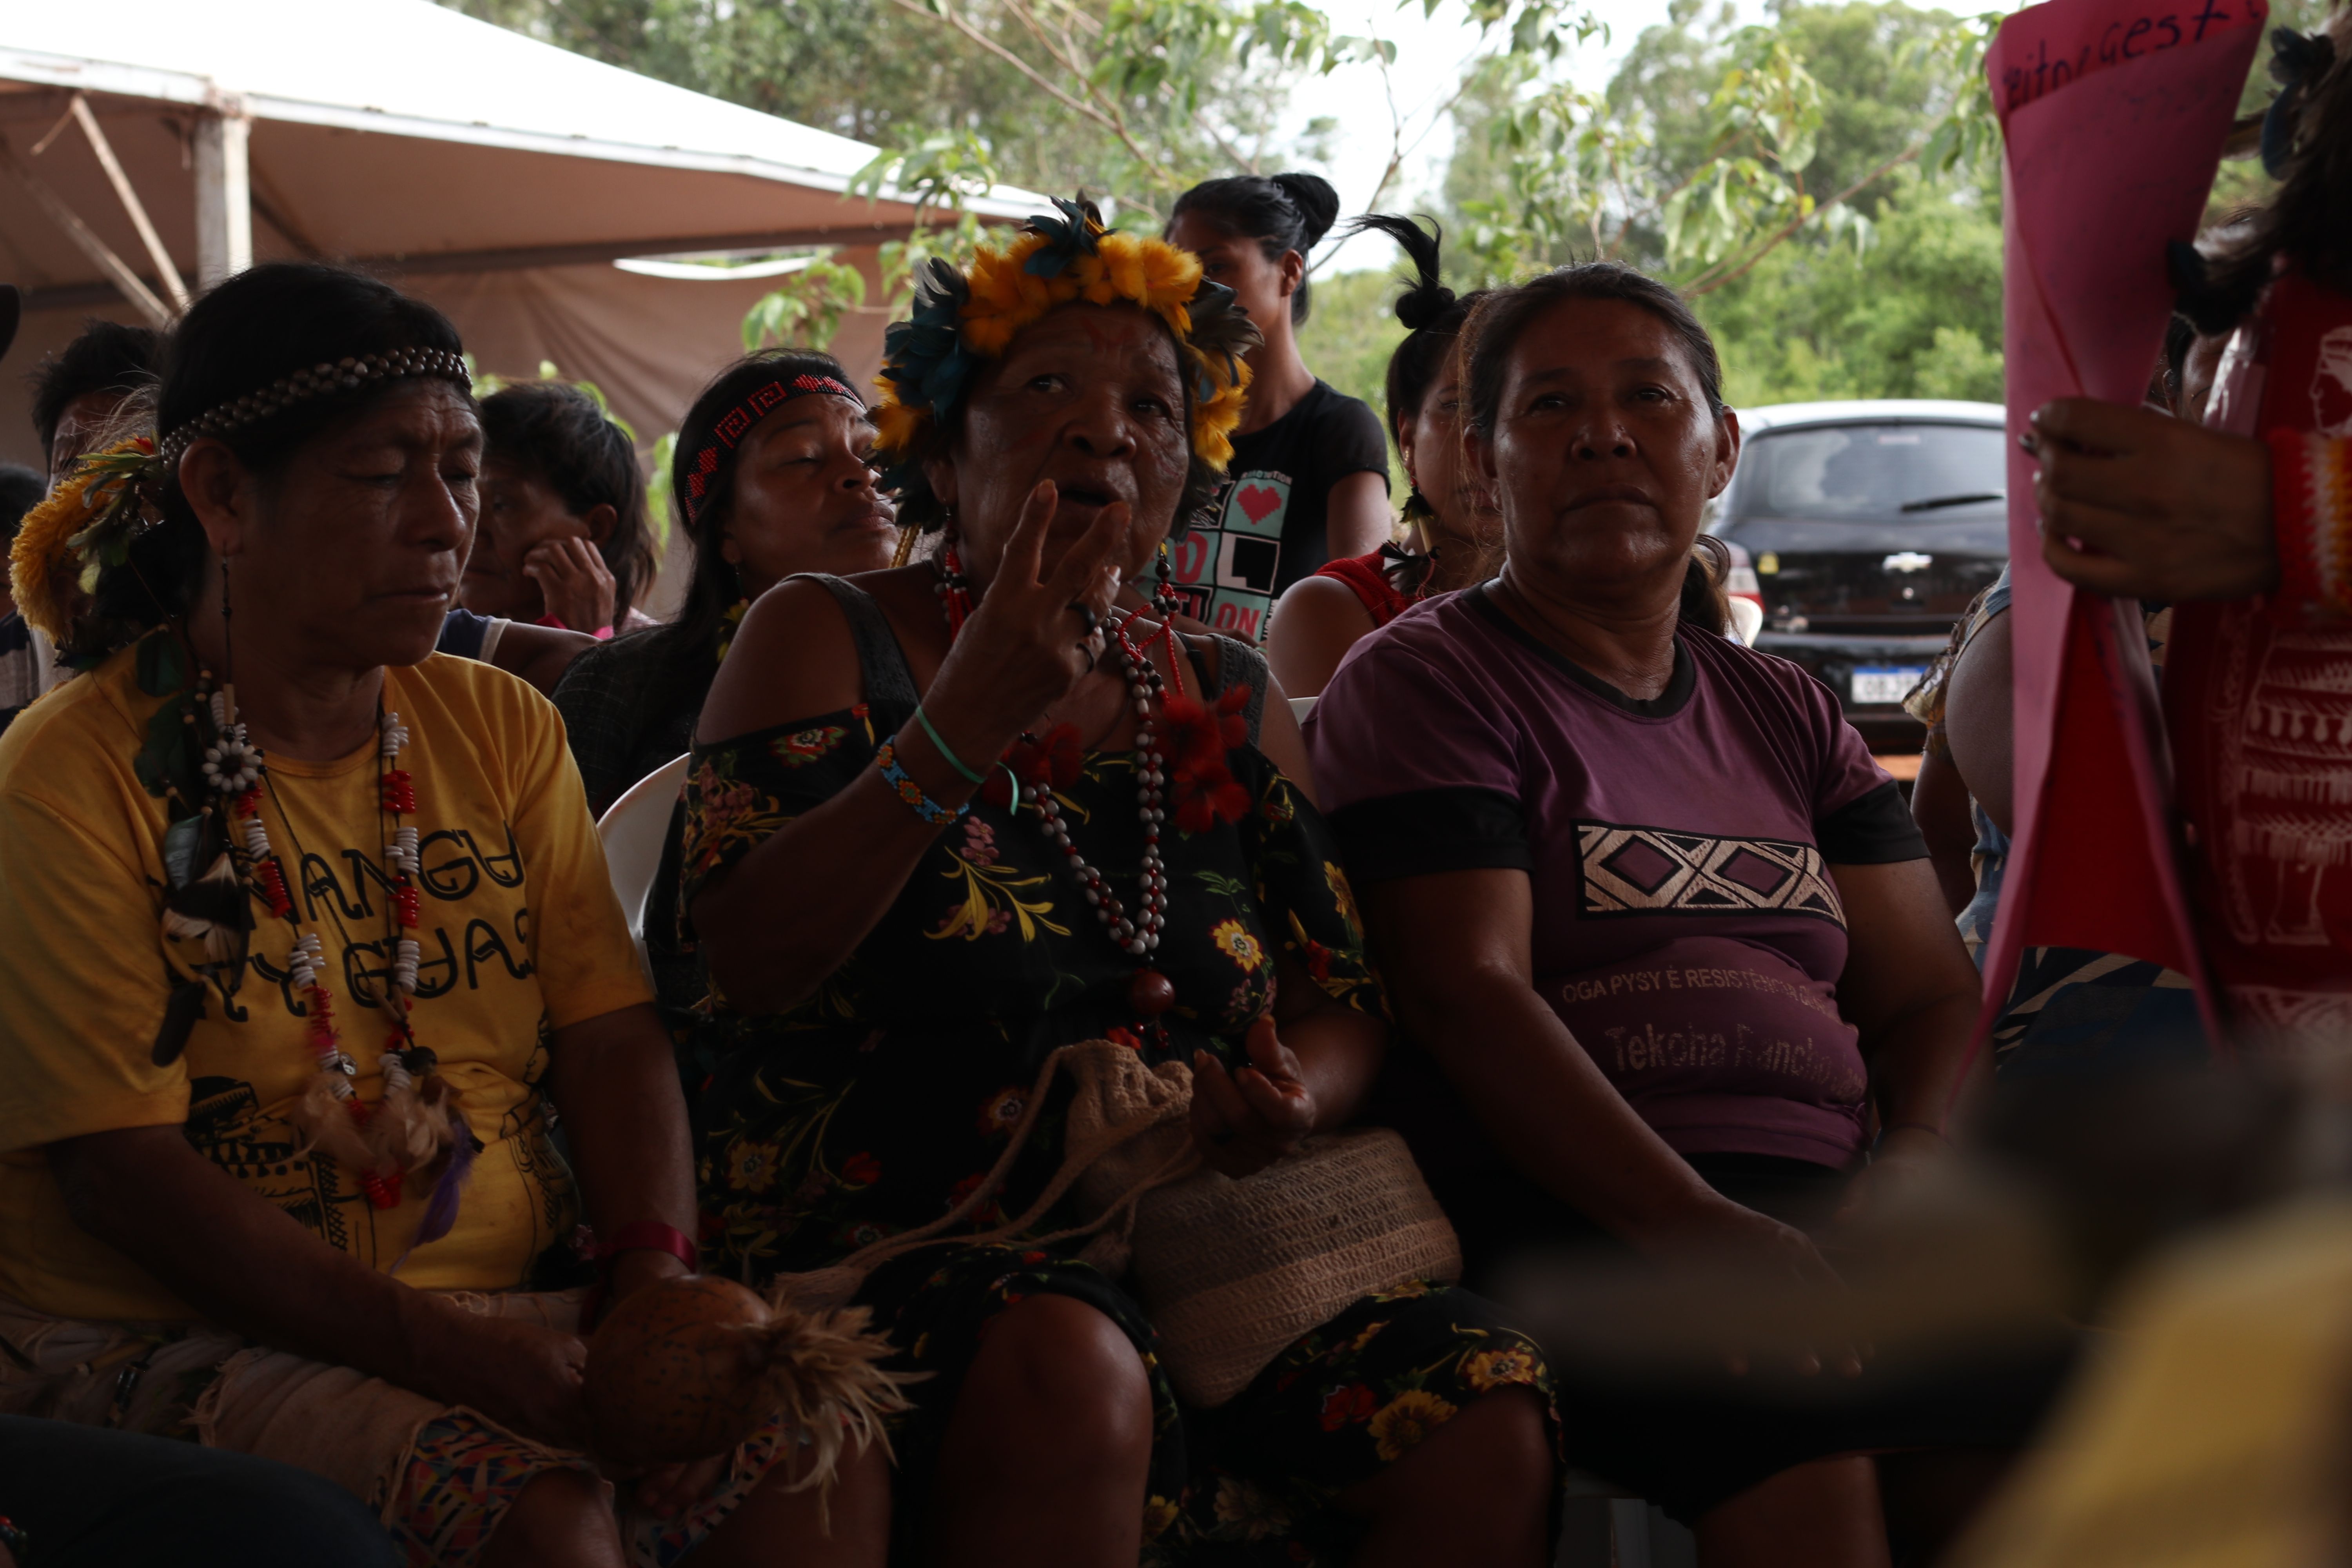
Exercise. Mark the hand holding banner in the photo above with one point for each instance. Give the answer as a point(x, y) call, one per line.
point(2113, 115)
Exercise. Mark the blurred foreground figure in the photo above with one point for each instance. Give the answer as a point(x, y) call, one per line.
point(2210, 1230)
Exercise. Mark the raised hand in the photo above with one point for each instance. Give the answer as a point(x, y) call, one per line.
point(1035, 635)
point(573, 581)
point(1246, 1120)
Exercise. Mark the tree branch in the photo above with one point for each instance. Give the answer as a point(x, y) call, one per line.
point(1706, 283)
point(1107, 113)
point(1007, 56)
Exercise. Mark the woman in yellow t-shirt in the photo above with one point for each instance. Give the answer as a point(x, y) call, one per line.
point(307, 924)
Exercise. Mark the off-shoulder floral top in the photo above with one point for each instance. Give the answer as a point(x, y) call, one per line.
point(887, 1097)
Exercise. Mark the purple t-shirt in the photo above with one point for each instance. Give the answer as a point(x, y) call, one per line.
point(1686, 930)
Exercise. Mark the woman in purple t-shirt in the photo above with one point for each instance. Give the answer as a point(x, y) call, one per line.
point(1658, 929)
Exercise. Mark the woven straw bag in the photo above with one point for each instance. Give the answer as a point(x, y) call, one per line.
point(1230, 1271)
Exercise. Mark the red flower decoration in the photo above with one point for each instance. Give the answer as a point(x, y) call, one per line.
point(1054, 762)
point(1319, 960)
point(1198, 738)
point(863, 1169)
point(1062, 755)
point(1355, 1402)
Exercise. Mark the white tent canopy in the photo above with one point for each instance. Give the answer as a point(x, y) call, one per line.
point(497, 176)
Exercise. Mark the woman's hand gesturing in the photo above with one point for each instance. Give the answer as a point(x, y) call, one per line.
point(1030, 641)
point(1246, 1120)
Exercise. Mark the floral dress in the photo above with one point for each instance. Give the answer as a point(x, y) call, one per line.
point(885, 1097)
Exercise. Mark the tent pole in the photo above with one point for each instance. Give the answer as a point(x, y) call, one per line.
point(131, 204)
point(223, 195)
point(117, 270)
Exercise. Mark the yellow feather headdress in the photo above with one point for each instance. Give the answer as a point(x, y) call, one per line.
point(961, 317)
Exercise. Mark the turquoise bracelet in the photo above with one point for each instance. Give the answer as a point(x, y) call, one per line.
point(921, 805)
point(945, 750)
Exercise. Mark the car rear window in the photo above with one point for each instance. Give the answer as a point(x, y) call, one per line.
point(1874, 471)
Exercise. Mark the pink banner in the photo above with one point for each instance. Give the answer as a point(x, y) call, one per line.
point(2112, 113)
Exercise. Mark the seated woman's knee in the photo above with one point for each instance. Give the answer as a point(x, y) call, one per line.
point(558, 1517)
point(1505, 1430)
point(1058, 1358)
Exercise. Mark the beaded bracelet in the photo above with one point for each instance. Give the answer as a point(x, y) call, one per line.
point(921, 805)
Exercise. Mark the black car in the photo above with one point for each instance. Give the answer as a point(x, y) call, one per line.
point(1868, 527)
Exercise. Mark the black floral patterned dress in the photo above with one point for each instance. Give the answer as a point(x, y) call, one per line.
point(884, 1099)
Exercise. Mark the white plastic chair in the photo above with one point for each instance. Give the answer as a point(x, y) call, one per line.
point(1300, 707)
point(634, 830)
point(1747, 619)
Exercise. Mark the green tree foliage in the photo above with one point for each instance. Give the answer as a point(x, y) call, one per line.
point(1722, 156)
point(1349, 337)
point(1823, 183)
point(806, 307)
point(1916, 315)
point(1715, 144)
point(1132, 98)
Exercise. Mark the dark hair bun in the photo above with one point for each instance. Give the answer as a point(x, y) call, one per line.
point(1317, 202)
point(1427, 301)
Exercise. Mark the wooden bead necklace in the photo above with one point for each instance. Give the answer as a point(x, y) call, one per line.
point(1030, 763)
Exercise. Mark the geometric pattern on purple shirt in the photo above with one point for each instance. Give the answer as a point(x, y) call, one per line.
point(1658, 871)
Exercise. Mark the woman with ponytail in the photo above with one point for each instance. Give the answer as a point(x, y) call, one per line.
point(1308, 480)
point(1456, 533)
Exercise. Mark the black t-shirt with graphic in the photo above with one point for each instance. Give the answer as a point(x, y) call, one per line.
point(1268, 526)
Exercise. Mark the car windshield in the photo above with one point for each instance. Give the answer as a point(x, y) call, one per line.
point(1955, 472)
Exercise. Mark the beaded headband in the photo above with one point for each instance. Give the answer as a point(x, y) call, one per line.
point(961, 317)
point(91, 518)
point(327, 377)
point(736, 423)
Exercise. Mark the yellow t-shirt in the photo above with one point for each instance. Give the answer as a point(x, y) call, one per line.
point(520, 932)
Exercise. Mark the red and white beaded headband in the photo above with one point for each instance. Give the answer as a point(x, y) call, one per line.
point(736, 423)
point(327, 377)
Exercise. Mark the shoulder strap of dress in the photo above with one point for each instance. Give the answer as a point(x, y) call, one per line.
point(881, 662)
point(1238, 664)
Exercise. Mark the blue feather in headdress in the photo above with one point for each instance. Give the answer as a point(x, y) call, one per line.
point(1074, 234)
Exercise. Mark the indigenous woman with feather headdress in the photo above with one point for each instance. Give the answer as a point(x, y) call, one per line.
point(946, 819)
point(305, 925)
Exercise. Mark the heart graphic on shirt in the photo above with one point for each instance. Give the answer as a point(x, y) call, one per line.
point(1257, 502)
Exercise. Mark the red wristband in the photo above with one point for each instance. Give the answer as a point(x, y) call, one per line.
point(647, 1236)
point(640, 1235)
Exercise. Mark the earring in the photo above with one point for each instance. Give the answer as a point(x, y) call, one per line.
point(1417, 510)
point(228, 639)
point(953, 587)
point(1165, 599)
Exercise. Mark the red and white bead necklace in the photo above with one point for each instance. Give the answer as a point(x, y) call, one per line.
point(237, 768)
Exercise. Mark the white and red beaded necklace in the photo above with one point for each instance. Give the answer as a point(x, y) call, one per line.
point(236, 767)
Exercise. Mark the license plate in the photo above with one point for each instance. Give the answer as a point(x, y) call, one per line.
point(1884, 685)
